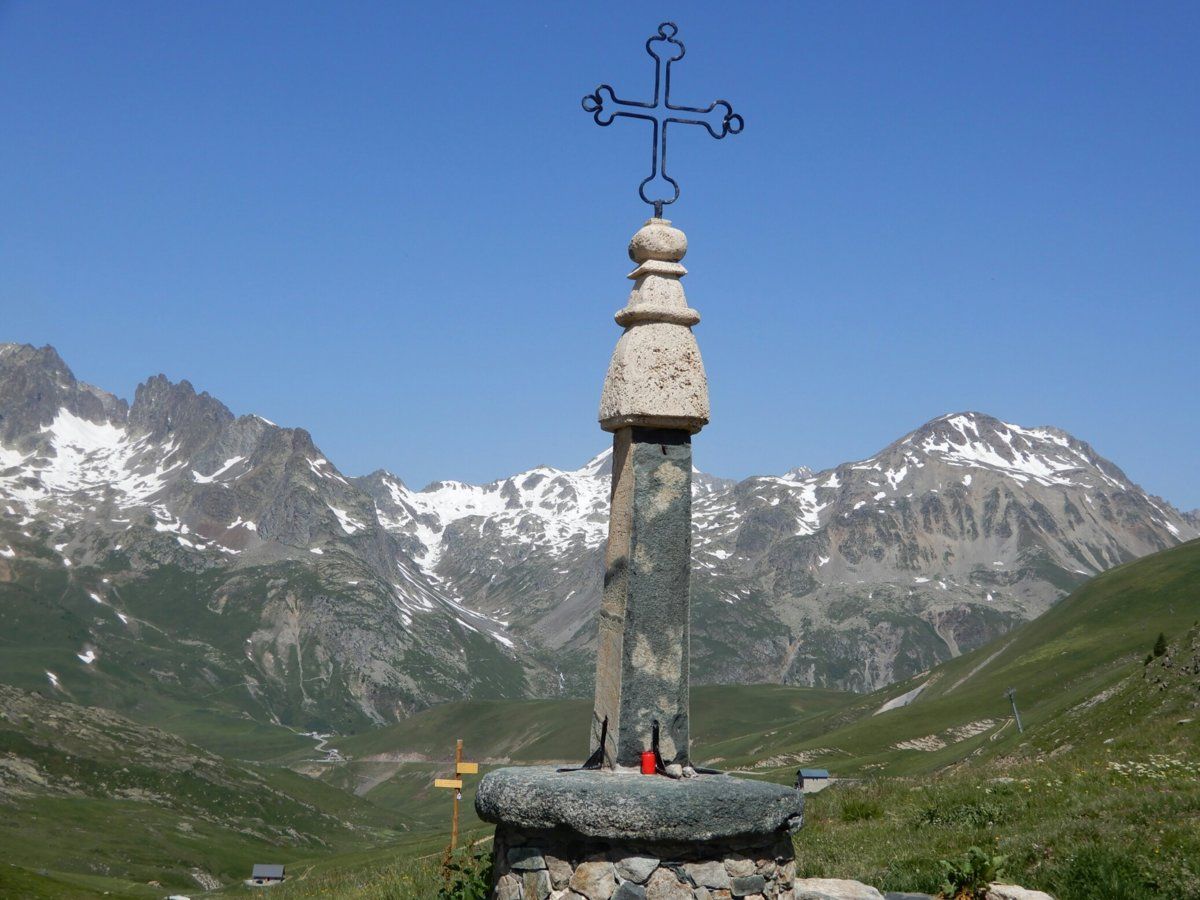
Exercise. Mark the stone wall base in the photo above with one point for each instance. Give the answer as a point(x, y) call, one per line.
point(562, 865)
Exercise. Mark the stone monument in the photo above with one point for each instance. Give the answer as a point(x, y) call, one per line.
point(637, 821)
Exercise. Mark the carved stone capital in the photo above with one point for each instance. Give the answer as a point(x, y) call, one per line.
point(656, 377)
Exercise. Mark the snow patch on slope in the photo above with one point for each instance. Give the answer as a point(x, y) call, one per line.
point(546, 507)
point(1038, 454)
point(87, 461)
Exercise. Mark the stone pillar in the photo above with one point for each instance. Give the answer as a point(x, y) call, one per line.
point(655, 398)
point(606, 833)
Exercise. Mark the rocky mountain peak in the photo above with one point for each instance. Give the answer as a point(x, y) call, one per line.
point(599, 466)
point(35, 385)
point(970, 440)
point(799, 473)
point(381, 476)
point(165, 409)
point(44, 359)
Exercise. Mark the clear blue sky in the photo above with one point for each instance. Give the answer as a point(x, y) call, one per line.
point(393, 225)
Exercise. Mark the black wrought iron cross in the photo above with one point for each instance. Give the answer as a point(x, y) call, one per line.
point(718, 117)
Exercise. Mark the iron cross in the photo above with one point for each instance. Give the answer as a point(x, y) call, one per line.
point(718, 117)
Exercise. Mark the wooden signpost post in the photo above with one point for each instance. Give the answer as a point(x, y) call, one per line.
point(460, 769)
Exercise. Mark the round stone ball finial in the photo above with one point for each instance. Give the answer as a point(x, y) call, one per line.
point(659, 241)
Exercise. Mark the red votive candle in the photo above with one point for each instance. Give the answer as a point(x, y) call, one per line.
point(648, 766)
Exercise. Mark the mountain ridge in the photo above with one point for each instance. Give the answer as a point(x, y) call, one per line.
point(361, 594)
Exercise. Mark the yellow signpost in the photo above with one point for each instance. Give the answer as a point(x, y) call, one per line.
point(460, 768)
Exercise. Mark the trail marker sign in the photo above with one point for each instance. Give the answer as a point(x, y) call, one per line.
point(460, 768)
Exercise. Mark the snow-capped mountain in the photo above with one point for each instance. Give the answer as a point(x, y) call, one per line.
point(528, 544)
point(852, 577)
point(942, 540)
point(312, 602)
point(232, 552)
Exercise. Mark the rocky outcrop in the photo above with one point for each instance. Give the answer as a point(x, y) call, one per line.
point(1014, 892)
point(834, 889)
point(35, 384)
point(1178, 669)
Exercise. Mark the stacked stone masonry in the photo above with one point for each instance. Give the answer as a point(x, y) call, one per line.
point(558, 865)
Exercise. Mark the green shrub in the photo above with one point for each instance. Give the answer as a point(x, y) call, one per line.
point(968, 877)
point(967, 813)
point(467, 875)
point(1160, 645)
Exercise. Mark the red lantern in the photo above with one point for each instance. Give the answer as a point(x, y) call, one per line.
point(648, 763)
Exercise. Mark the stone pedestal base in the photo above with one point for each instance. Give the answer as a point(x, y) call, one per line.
point(604, 836)
point(556, 865)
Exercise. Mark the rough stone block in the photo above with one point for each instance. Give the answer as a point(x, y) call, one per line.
point(535, 885)
point(710, 873)
point(636, 868)
point(524, 859)
point(508, 888)
point(746, 885)
point(1015, 892)
point(611, 807)
point(595, 879)
point(560, 871)
point(629, 891)
point(738, 866)
point(663, 885)
point(834, 889)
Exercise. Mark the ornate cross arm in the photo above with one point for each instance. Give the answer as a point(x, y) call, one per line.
point(718, 118)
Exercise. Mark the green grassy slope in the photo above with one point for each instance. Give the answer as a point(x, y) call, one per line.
point(1082, 646)
point(192, 681)
point(1102, 801)
point(174, 638)
point(86, 792)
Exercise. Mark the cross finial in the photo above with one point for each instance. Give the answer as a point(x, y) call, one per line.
point(718, 117)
